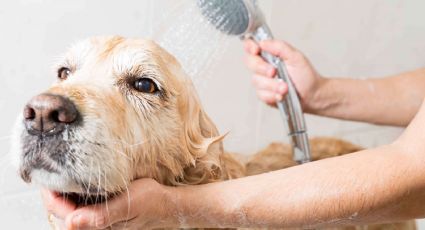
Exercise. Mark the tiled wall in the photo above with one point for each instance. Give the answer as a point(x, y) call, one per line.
point(366, 38)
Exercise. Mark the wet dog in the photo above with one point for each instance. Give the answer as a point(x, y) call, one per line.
point(123, 109)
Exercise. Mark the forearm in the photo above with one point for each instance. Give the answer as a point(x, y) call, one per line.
point(371, 186)
point(390, 101)
point(330, 192)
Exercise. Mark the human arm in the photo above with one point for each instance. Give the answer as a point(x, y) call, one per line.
point(377, 185)
point(372, 186)
point(392, 100)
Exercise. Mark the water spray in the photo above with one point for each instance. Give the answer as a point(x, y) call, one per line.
point(243, 18)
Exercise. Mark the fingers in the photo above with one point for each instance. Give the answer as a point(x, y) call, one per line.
point(268, 97)
point(140, 200)
point(298, 66)
point(102, 215)
point(88, 217)
point(275, 47)
point(269, 90)
point(251, 47)
point(121, 208)
point(269, 84)
point(57, 205)
point(255, 62)
point(279, 48)
point(257, 65)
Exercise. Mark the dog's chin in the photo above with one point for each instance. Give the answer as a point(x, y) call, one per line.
point(55, 181)
point(69, 188)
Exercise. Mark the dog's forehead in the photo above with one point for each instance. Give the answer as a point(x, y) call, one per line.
point(112, 48)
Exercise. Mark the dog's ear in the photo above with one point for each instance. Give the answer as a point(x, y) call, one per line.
point(197, 158)
point(201, 140)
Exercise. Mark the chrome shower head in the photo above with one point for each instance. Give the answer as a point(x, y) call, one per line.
point(233, 17)
point(243, 18)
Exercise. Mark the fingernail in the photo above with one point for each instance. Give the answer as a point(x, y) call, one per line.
point(281, 88)
point(278, 97)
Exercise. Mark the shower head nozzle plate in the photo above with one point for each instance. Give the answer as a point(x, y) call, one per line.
point(233, 17)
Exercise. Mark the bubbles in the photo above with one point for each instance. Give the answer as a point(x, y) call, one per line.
point(187, 34)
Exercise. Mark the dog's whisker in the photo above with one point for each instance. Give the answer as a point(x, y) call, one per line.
point(90, 176)
point(106, 199)
point(97, 184)
point(128, 200)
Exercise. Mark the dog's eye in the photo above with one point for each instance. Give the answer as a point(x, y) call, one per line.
point(63, 73)
point(145, 85)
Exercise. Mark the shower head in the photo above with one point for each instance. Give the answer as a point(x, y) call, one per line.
point(233, 17)
point(243, 18)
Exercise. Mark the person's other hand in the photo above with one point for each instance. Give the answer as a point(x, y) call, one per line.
point(57, 207)
point(305, 78)
point(145, 205)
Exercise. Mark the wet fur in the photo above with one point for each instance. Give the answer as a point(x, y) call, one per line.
point(124, 135)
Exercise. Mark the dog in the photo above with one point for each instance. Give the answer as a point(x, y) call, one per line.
point(123, 109)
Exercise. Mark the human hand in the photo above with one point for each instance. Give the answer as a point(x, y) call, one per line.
point(57, 207)
point(145, 205)
point(306, 79)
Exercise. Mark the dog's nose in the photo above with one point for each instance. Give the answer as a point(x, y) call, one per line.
point(48, 113)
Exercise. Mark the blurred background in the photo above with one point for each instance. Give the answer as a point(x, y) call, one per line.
point(358, 39)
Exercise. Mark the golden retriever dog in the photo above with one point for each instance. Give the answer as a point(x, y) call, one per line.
point(123, 109)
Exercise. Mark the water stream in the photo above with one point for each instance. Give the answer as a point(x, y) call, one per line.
point(186, 34)
point(198, 45)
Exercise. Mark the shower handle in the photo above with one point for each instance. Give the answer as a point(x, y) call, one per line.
point(290, 107)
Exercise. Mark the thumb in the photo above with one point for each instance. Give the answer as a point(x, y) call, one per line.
point(57, 204)
point(101, 215)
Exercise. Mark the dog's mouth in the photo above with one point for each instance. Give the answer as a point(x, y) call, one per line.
point(49, 162)
point(43, 153)
point(55, 160)
point(68, 162)
point(84, 199)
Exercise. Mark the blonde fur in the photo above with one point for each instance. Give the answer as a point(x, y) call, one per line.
point(125, 134)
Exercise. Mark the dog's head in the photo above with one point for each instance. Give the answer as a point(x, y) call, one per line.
point(121, 109)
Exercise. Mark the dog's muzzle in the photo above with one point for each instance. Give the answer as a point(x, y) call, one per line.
point(47, 120)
